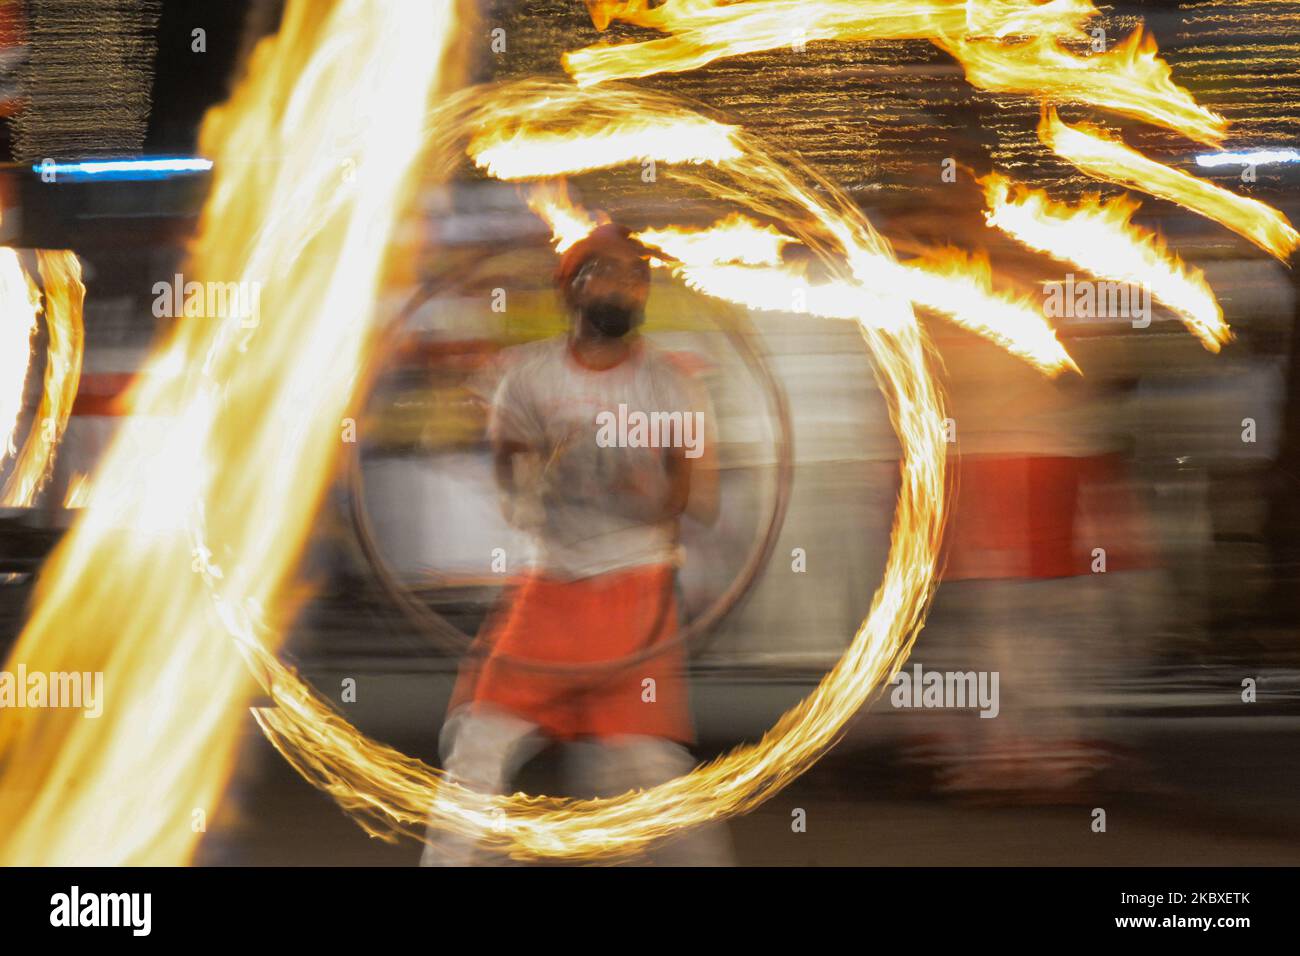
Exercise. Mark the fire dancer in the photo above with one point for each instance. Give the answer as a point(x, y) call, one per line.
point(584, 649)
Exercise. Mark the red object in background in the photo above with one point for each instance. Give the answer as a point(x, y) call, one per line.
point(13, 51)
point(102, 393)
point(1020, 517)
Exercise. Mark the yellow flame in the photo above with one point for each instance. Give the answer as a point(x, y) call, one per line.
point(78, 495)
point(243, 432)
point(511, 154)
point(20, 303)
point(1101, 238)
point(740, 260)
point(60, 272)
point(569, 223)
point(1105, 156)
point(735, 239)
point(1130, 78)
point(703, 31)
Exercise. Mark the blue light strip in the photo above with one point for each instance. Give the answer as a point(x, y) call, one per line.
point(121, 169)
point(1259, 157)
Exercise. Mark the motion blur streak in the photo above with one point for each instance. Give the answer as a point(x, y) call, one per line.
point(241, 437)
point(703, 31)
point(1130, 78)
point(65, 294)
point(550, 201)
point(688, 138)
point(1104, 155)
point(1100, 237)
point(19, 306)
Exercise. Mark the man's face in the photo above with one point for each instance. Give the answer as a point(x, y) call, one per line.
point(609, 293)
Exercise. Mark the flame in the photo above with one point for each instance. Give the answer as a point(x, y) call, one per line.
point(735, 239)
point(689, 138)
point(1101, 238)
point(60, 272)
point(569, 223)
point(78, 495)
point(20, 303)
point(1130, 78)
point(960, 286)
point(741, 261)
point(703, 31)
point(242, 438)
point(1105, 156)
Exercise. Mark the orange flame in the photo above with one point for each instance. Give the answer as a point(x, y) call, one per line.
point(1130, 78)
point(20, 303)
point(1105, 156)
point(740, 260)
point(703, 31)
point(237, 433)
point(60, 272)
point(1101, 238)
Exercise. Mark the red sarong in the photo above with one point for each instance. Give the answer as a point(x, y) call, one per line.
point(576, 623)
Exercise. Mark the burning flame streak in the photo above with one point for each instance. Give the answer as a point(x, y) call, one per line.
point(60, 272)
point(1130, 78)
point(78, 495)
point(19, 304)
point(703, 31)
point(1101, 238)
point(740, 260)
point(243, 446)
point(735, 239)
point(550, 200)
point(1102, 155)
point(688, 138)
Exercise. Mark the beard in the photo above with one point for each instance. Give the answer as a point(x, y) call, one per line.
point(611, 318)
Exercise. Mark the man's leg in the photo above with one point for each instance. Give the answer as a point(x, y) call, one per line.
point(482, 749)
point(615, 765)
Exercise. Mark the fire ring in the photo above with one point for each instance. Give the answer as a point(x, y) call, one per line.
point(392, 794)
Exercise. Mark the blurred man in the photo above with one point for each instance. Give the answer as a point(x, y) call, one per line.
point(600, 448)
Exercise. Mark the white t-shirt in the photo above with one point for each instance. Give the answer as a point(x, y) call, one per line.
point(574, 498)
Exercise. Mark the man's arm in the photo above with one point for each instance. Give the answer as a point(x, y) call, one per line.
point(503, 468)
point(693, 483)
